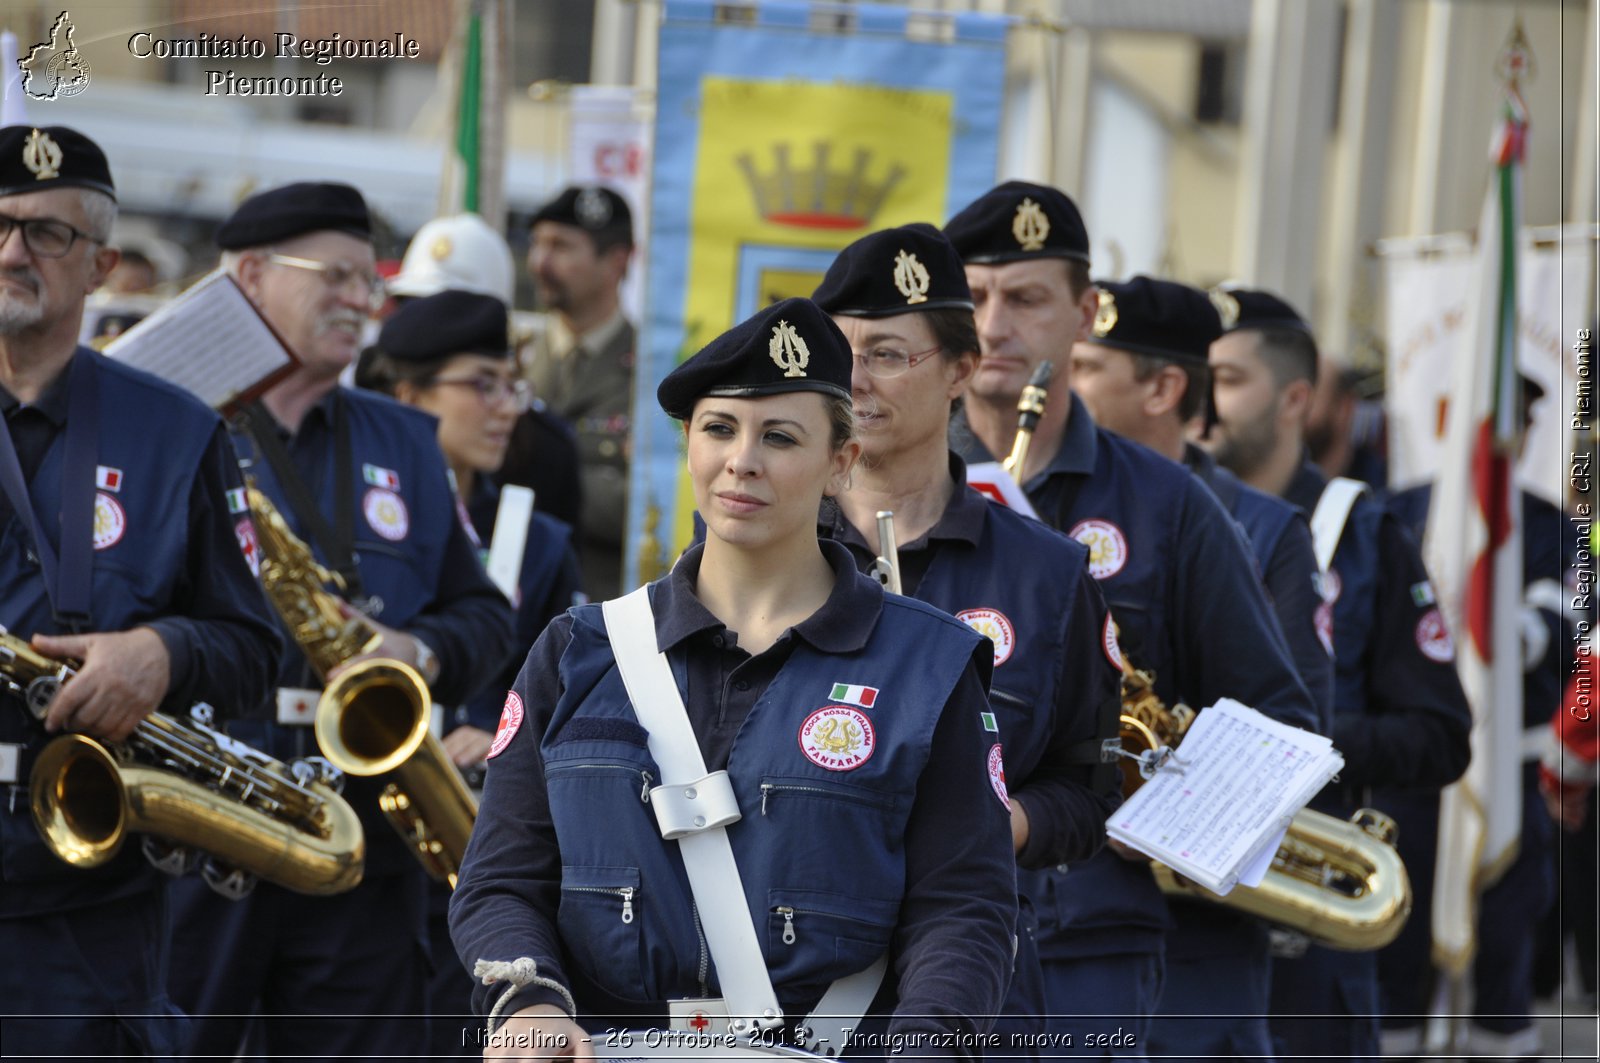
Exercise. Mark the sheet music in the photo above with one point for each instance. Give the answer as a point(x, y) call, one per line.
point(210, 341)
point(1222, 807)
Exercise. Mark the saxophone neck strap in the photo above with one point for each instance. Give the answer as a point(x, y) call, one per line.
point(337, 540)
point(69, 575)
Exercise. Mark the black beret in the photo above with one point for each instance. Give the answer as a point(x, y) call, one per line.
point(593, 208)
point(39, 158)
point(450, 322)
point(1016, 221)
point(895, 271)
point(1246, 308)
point(294, 210)
point(1162, 319)
point(789, 346)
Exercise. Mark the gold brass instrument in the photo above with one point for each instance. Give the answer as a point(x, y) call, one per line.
point(886, 567)
point(1339, 882)
point(1030, 407)
point(186, 787)
point(373, 719)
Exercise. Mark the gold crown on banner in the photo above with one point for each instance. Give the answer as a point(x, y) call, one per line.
point(818, 196)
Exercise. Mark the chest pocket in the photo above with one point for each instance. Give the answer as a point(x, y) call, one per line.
point(392, 575)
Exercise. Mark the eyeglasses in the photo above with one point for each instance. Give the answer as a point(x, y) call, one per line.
point(885, 363)
point(44, 237)
point(493, 389)
point(338, 276)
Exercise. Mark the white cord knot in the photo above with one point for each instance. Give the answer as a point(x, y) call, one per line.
point(520, 973)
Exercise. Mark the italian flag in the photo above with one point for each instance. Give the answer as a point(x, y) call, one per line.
point(851, 694)
point(474, 165)
point(1474, 553)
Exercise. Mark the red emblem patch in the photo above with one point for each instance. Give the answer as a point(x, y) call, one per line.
point(1433, 638)
point(837, 737)
point(1109, 643)
point(1108, 547)
point(245, 532)
point(995, 626)
point(510, 724)
point(997, 775)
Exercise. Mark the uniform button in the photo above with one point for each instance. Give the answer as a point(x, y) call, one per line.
point(741, 685)
point(716, 640)
point(608, 449)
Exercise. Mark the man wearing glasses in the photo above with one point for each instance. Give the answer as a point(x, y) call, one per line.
point(362, 480)
point(117, 549)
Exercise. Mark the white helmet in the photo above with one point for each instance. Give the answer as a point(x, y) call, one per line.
point(460, 252)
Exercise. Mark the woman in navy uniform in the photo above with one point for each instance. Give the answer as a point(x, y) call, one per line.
point(886, 835)
point(900, 296)
point(145, 584)
point(449, 354)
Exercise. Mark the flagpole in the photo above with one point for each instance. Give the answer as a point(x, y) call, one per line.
point(1474, 553)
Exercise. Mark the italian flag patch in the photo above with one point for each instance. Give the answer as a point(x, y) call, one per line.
point(236, 501)
point(851, 694)
point(380, 477)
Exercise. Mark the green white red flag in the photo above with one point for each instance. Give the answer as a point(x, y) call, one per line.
point(1474, 553)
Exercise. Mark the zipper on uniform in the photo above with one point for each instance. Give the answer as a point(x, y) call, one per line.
point(788, 923)
point(645, 777)
point(624, 892)
point(769, 788)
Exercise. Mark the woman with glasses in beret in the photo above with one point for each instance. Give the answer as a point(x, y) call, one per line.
point(850, 723)
point(449, 354)
point(901, 298)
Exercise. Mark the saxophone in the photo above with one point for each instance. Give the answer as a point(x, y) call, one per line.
point(187, 788)
point(1030, 407)
point(373, 719)
point(1339, 882)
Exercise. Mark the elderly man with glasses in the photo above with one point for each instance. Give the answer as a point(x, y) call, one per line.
point(362, 480)
point(119, 552)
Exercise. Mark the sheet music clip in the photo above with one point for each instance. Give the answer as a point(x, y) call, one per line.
point(1162, 758)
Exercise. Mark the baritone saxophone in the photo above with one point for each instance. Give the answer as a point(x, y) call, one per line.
point(1341, 883)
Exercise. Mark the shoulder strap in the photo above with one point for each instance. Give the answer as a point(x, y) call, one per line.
point(1333, 510)
point(707, 856)
point(509, 541)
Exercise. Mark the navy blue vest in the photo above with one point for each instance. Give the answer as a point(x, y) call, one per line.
point(405, 510)
point(625, 899)
point(140, 538)
point(1015, 588)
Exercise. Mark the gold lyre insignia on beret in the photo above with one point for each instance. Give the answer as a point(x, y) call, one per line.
point(1227, 307)
point(789, 352)
point(1105, 315)
point(42, 155)
point(911, 277)
point(1030, 226)
point(440, 248)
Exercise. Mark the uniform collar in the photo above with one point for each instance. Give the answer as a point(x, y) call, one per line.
point(563, 342)
point(962, 519)
point(52, 400)
point(1306, 487)
point(842, 625)
point(1200, 461)
point(1075, 456)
